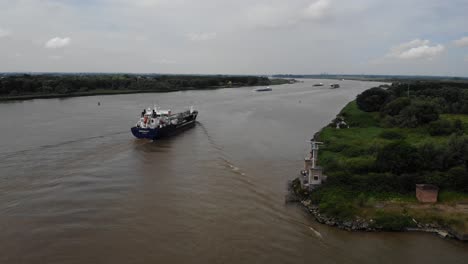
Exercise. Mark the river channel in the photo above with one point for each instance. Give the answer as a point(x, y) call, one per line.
point(77, 187)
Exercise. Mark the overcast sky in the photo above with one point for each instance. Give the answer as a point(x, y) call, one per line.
point(424, 37)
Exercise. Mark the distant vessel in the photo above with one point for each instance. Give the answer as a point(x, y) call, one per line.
point(156, 123)
point(265, 89)
point(334, 86)
point(318, 84)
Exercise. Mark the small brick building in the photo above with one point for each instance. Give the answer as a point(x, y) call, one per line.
point(427, 193)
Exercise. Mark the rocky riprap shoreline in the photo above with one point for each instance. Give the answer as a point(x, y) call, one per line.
point(358, 224)
point(361, 224)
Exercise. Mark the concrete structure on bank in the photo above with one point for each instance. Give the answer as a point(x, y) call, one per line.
point(427, 193)
point(312, 175)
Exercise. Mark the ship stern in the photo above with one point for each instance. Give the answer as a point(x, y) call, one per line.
point(148, 133)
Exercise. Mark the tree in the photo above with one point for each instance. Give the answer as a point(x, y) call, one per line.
point(432, 156)
point(418, 113)
point(440, 128)
point(372, 100)
point(457, 178)
point(458, 127)
point(394, 107)
point(63, 88)
point(398, 157)
point(457, 151)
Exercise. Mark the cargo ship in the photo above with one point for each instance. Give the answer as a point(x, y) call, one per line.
point(156, 123)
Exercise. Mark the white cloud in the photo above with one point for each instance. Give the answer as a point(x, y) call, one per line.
point(463, 42)
point(58, 42)
point(416, 49)
point(201, 36)
point(317, 9)
point(4, 33)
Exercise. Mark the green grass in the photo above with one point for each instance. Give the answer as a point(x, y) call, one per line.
point(453, 117)
point(357, 118)
point(364, 136)
point(450, 196)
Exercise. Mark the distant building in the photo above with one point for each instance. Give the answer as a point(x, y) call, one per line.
point(312, 175)
point(427, 193)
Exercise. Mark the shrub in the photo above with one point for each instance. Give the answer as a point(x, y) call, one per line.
point(457, 151)
point(432, 156)
point(394, 107)
point(393, 221)
point(355, 117)
point(355, 151)
point(372, 100)
point(440, 128)
point(361, 200)
point(425, 111)
point(390, 134)
point(418, 113)
point(457, 179)
point(458, 127)
point(434, 177)
point(373, 182)
point(398, 157)
point(362, 164)
point(338, 178)
point(337, 206)
point(336, 147)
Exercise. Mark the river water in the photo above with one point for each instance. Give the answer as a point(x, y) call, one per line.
point(76, 187)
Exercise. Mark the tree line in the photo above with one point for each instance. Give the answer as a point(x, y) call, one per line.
point(26, 84)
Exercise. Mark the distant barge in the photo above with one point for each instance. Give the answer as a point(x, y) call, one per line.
point(265, 89)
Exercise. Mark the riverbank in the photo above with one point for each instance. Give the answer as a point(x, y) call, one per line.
point(28, 87)
point(359, 223)
point(108, 92)
point(373, 160)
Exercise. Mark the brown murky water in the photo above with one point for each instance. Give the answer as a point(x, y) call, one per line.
point(76, 187)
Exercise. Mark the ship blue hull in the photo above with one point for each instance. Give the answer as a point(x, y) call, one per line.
point(158, 132)
point(149, 133)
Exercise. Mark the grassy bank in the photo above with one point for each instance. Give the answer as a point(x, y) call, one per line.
point(358, 188)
